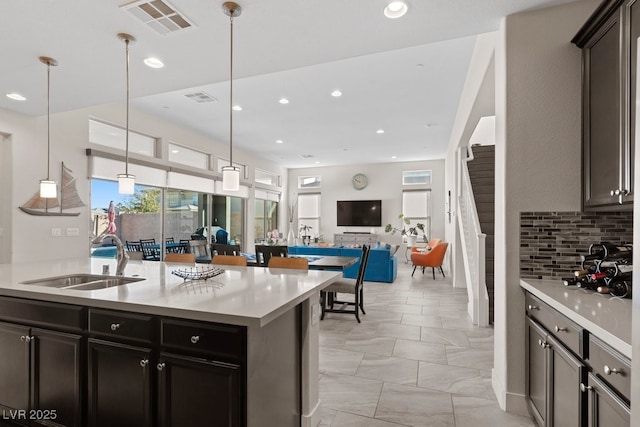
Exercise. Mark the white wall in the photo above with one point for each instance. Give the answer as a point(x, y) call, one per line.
point(538, 161)
point(31, 236)
point(385, 183)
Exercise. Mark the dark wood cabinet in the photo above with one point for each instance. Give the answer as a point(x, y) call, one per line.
point(119, 385)
point(207, 393)
point(606, 409)
point(609, 41)
point(554, 376)
point(41, 375)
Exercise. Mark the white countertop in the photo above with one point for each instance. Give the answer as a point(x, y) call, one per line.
point(247, 296)
point(604, 316)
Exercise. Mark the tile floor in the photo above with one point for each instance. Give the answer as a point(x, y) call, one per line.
point(415, 360)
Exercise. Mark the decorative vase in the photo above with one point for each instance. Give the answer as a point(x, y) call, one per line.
point(291, 236)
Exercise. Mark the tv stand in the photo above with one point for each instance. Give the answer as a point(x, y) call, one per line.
point(354, 239)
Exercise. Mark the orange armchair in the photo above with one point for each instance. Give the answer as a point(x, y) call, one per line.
point(432, 243)
point(432, 259)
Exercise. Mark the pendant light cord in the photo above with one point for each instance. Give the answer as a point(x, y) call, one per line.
point(231, 95)
point(126, 149)
point(48, 119)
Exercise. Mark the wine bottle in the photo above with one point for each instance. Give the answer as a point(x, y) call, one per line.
point(605, 249)
point(617, 288)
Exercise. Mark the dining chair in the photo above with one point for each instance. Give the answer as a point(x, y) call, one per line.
point(265, 252)
point(183, 258)
point(183, 246)
point(229, 260)
point(201, 250)
point(293, 263)
point(432, 259)
point(222, 249)
point(328, 296)
point(150, 252)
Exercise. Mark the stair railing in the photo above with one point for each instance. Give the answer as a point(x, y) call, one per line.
point(473, 243)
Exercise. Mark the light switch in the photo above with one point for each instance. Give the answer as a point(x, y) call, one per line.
point(56, 232)
point(71, 232)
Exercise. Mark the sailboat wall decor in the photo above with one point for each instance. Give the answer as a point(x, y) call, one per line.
point(69, 199)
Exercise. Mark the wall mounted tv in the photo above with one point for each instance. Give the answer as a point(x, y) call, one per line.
point(359, 213)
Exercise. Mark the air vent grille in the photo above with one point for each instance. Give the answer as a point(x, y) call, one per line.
point(200, 97)
point(161, 16)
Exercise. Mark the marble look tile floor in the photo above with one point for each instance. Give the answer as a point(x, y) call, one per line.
point(415, 360)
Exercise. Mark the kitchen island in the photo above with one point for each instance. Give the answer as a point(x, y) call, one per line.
point(241, 347)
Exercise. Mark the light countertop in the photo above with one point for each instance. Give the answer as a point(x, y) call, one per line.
point(604, 316)
point(247, 296)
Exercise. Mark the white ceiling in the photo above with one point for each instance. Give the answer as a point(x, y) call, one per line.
point(404, 75)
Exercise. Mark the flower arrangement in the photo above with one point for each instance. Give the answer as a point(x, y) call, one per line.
point(273, 236)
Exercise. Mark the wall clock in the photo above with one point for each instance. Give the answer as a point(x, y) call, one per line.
point(359, 181)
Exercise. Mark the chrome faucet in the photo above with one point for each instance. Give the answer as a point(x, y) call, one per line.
point(121, 256)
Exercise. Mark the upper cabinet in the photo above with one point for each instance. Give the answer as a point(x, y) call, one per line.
point(609, 42)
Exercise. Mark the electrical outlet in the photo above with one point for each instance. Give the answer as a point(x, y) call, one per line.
point(72, 232)
point(56, 232)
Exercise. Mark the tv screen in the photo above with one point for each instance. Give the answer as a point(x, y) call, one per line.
point(359, 213)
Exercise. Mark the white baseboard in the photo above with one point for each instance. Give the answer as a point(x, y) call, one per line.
point(313, 418)
point(509, 402)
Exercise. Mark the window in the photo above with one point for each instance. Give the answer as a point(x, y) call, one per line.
point(115, 137)
point(187, 156)
point(309, 213)
point(267, 178)
point(266, 218)
point(416, 206)
point(309, 182)
point(228, 213)
point(421, 177)
point(185, 216)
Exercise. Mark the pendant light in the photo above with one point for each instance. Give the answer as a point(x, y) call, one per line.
point(126, 181)
point(231, 173)
point(48, 188)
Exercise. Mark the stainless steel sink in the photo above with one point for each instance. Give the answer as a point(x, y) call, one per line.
point(82, 282)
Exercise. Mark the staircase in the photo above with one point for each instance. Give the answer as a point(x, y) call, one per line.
point(482, 175)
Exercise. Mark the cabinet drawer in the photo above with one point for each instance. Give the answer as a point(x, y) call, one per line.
point(570, 334)
point(41, 313)
point(612, 367)
point(123, 325)
point(204, 338)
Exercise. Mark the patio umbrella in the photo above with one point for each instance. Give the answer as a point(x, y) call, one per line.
point(111, 216)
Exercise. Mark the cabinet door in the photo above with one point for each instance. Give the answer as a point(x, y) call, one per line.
point(602, 118)
point(632, 21)
point(119, 385)
point(204, 392)
point(14, 366)
point(605, 408)
point(537, 373)
point(567, 403)
point(56, 378)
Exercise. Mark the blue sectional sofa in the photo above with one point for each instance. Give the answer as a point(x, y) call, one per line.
point(382, 266)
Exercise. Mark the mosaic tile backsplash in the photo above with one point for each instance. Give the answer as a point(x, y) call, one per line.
point(551, 242)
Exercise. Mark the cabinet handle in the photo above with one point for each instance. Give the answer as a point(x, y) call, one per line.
point(160, 366)
point(115, 326)
point(26, 338)
point(626, 192)
point(144, 363)
point(560, 329)
point(609, 371)
point(533, 307)
point(195, 339)
point(584, 388)
point(615, 192)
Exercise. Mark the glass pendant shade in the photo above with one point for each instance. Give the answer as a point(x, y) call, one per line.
point(126, 183)
point(230, 178)
point(48, 189)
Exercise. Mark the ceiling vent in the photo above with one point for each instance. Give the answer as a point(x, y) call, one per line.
point(161, 16)
point(200, 97)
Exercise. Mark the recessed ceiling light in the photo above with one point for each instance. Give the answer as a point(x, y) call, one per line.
point(394, 157)
point(153, 63)
point(16, 97)
point(283, 101)
point(380, 131)
point(317, 162)
point(279, 141)
point(336, 93)
point(175, 151)
point(237, 108)
point(395, 9)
